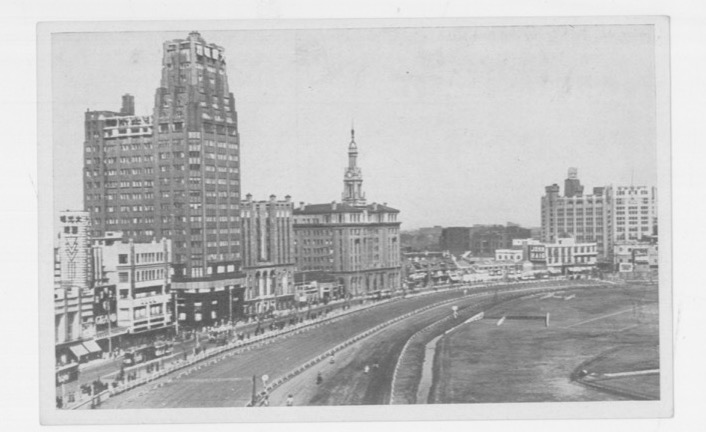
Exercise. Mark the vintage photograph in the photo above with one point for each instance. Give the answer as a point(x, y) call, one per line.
point(415, 214)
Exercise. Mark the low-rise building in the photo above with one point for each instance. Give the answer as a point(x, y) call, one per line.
point(567, 256)
point(642, 255)
point(533, 251)
point(141, 275)
point(514, 255)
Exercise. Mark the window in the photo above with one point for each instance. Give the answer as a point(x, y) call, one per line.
point(156, 310)
point(140, 312)
point(123, 277)
point(122, 259)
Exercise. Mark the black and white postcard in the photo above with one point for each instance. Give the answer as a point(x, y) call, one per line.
point(326, 220)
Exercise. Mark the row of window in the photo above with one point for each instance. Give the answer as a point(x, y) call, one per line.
point(633, 229)
point(631, 191)
point(128, 221)
point(621, 201)
point(196, 166)
point(580, 228)
point(580, 202)
point(141, 312)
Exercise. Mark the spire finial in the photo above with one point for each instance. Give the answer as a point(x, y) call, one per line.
point(352, 130)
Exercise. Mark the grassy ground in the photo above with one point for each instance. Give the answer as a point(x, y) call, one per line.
point(600, 330)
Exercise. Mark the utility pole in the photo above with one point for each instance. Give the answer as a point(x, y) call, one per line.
point(230, 303)
point(110, 329)
point(254, 390)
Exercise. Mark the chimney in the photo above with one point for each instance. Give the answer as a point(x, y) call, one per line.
point(301, 205)
point(248, 197)
point(288, 198)
point(333, 205)
point(273, 197)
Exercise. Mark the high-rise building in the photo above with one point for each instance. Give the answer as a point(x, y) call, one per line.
point(611, 214)
point(268, 255)
point(635, 213)
point(175, 175)
point(356, 242)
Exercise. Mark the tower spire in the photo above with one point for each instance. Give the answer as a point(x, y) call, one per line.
point(353, 177)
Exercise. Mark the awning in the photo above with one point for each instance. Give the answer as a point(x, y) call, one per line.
point(92, 346)
point(579, 269)
point(78, 350)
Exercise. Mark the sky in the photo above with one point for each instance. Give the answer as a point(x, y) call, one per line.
point(455, 126)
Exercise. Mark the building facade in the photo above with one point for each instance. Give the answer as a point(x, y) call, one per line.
point(175, 175)
point(482, 240)
point(533, 251)
point(514, 255)
point(268, 255)
point(74, 323)
point(356, 242)
point(312, 287)
point(567, 256)
point(635, 213)
point(642, 255)
point(140, 273)
point(456, 240)
point(609, 215)
point(587, 218)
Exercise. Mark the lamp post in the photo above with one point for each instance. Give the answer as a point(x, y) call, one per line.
point(230, 304)
point(176, 313)
point(110, 328)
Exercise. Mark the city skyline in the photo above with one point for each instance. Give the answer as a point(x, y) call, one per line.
point(298, 91)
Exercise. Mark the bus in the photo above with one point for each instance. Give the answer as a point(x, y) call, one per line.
point(162, 349)
point(66, 374)
point(139, 355)
point(146, 353)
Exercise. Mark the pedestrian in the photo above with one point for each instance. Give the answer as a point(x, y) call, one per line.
point(332, 361)
point(319, 378)
point(266, 402)
point(367, 369)
point(290, 400)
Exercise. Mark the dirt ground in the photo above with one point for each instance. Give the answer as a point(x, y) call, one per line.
point(602, 331)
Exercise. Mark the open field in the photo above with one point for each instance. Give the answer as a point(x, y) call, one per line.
point(609, 330)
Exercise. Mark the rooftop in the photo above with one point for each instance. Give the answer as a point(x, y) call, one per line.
point(342, 208)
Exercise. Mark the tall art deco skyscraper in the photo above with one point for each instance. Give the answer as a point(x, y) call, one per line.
point(176, 175)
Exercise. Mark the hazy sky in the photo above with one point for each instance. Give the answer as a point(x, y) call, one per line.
point(455, 125)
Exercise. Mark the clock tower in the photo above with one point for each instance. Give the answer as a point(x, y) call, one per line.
point(353, 178)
